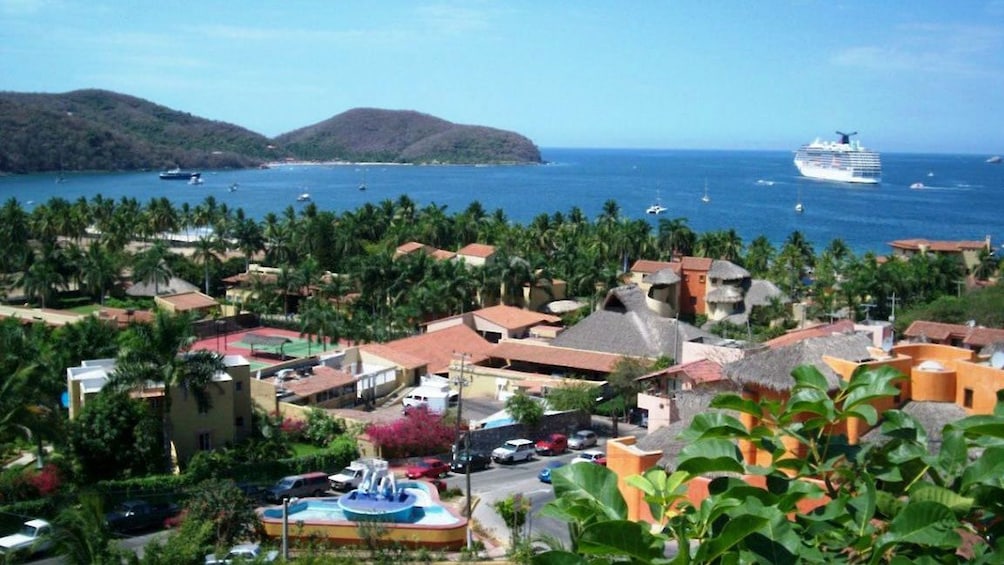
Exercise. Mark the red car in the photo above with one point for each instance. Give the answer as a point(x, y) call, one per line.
point(429, 468)
point(554, 444)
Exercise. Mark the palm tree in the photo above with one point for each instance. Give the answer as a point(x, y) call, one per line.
point(320, 319)
point(151, 266)
point(99, 270)
point(83, 536)
point(759, 256)
point(42, 275)
point(987, 266)
point(205, 252)
point(159, 352)
point(676, 237)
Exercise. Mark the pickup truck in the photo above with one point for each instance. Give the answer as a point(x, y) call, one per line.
point(137, 515)
point(34, 537)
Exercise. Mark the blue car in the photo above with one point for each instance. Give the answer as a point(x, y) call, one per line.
point(545, 473)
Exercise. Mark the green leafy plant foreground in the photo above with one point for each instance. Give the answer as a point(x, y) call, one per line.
point(885, 502)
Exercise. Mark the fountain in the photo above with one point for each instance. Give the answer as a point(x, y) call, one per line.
point(410, 510)
point(378, 498)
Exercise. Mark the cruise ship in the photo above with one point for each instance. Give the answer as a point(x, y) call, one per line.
point(841, 161)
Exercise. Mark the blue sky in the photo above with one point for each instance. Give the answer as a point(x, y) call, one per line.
point(918, 76)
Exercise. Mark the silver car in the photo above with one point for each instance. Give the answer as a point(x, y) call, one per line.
point(582, 439)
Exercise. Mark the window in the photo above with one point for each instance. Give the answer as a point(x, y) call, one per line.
point(238, 386)
point(206, 441)
point(967, 398)
point(701, 279)
point(239, 422)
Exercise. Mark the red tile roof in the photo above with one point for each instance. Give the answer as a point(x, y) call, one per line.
point(440, 347)
point(512, 318)
point(324, 378)
point(696, 263)
point(975, 337)
point(701, 371)
point(122, 317)
point(477, 250)
point(648, 266)
point(443, 255)
point(795, 336)
point(555, 356)
point(394, 355)
point(188, 301)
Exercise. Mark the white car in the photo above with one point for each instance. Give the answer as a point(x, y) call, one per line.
point(514, 450)
point(35, 536)
point(582, 439)
point(244, 553)
point(591, 456)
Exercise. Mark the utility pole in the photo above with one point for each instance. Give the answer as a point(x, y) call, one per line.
point(467, 445)
point(892, 301)
point(868, 310)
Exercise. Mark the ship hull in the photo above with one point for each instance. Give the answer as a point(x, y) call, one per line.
point(812, 171)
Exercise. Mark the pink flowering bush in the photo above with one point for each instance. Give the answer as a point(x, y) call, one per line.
point(419, 433)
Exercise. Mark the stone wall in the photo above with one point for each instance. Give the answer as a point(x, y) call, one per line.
point(487, 439)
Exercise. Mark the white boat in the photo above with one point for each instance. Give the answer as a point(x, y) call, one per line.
point(706, 199)
point(303, 197)
point(233, 187)
point(195, 179)
point(763, 182)
point(995, 160)
point(917, 185)
point(798, 203)
point(655, 209)
point(841, 161)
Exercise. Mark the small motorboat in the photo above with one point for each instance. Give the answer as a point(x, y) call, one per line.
point(303, 197)
point(655, 209)
point(917, 185)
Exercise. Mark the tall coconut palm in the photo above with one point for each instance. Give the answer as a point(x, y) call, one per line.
point(99, 270)
point(206, 252)
point(151, 266)
point(42, 276)
point(159, 352)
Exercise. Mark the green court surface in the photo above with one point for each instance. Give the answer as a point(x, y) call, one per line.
point(294, 347)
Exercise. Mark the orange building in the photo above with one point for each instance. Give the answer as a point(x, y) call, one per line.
point(952, 380)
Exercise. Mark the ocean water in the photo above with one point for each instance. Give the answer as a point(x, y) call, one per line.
point(754, 192)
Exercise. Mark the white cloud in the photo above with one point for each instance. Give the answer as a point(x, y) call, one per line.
point(954, 49)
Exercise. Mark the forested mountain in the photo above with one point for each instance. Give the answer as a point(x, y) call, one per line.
point(103, 131)
point(369, 134)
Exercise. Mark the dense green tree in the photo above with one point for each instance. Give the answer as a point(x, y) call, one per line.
point(83, 537)
point(524, 409)
point(160, 352)
point(151, 266)
point(575, 395)
point(114, 437)
point(222, 504)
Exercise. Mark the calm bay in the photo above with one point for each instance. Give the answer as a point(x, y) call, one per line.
point(753, 192)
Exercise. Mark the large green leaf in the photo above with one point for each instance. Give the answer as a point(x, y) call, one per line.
point(808, 376)
point(871, 384)
point(714, 425)
point(933, 493)
point(924, 524)
point(621, 538)
point(556, 557)
point(734, 532)
point(710, 456)
point(593, 483)
point(987, 470)
point(735, 402)
point(813, 401)
point(661, 489)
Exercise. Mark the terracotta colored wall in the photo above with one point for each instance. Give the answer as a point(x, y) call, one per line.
point(984, 381)
point(625, 460)
point(933, 386)
point(691, 286)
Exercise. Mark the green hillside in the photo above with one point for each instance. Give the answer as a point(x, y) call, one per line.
point(98, 130)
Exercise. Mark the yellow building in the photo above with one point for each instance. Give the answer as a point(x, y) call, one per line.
point(228, 421)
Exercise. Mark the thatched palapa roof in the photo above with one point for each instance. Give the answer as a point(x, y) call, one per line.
point(661, 277)
point(772, 368)
point(727, 270)
point(725, 294)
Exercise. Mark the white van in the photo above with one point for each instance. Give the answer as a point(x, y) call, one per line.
point(431, 398)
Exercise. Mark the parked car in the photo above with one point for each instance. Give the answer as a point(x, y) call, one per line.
point(429, 468)
point(348, 478)
point(591, 456)
point(140, 515)
point(244, 553)
point(545, 474)
point(582, 439)
point(254, 493)
point(554, 444)
point(294, 486)
point(478, 462)
point(514, 450)
point(34, 537)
